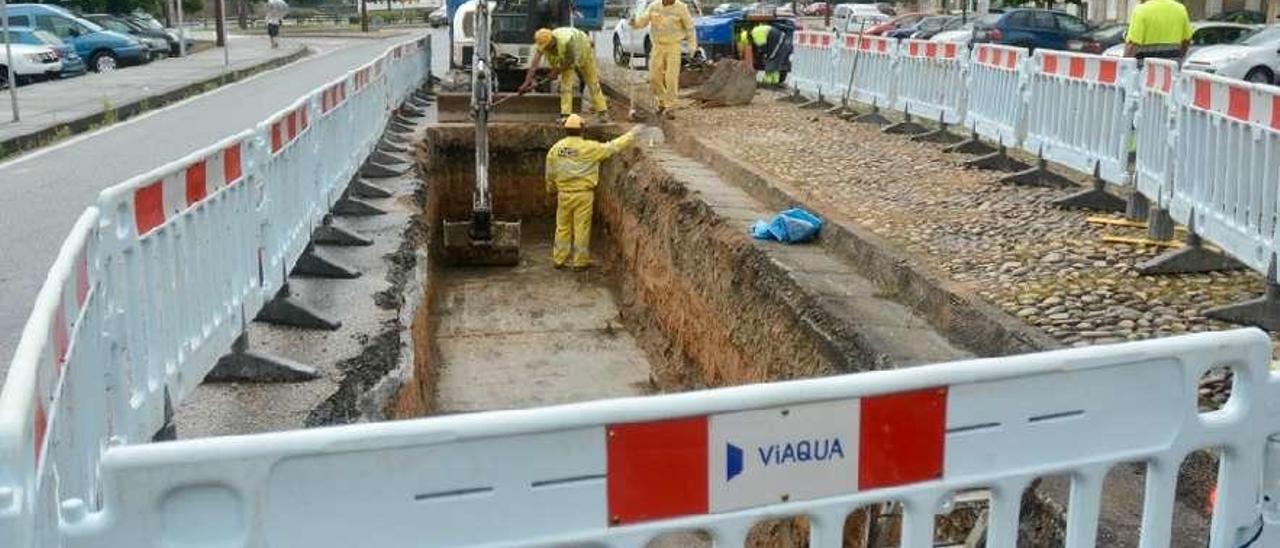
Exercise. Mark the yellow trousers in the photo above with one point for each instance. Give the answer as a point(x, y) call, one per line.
point(664, 73)
point(573, 228)
point(569, 83)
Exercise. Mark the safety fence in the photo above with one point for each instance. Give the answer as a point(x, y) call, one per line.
point(621, 472)
point(160, 277)
point(1206, 146)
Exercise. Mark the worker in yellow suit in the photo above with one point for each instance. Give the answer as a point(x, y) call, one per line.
point(573, 171)
point(669, 24)
point(569, 53)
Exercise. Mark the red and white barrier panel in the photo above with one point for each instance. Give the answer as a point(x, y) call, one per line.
point(732, 461)
point(286, 129)
point(156, 203)
point(71, 300)
point(932, 50)
point(363, 77)
point(333, 96)
point(998, 57)
point(1095, 69)
point(876, 80)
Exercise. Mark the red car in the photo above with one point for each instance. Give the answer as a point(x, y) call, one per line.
point(896, 23)
point(817, 9)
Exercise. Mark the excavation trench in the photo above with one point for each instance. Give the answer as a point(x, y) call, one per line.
point(680, 297)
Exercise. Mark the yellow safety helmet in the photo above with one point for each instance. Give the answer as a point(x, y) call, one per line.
point(573, 122)
point(543, 38)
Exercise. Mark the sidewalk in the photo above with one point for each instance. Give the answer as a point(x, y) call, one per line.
point(51, 111)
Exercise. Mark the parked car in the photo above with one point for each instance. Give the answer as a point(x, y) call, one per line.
point(1032, 28)
point(817, 9)
point(72, 64)
point(1253, 58)
point(898, 22)
point(1244, 17)
point(1099, 39)
point(171, 36)
point(727, 7)
point(964, 33)
point(852, 17)
point(30, 63)
point(717, 33)
point(1203, 33)
point(786, 9)
point(157, 47)
point(103, 49)
point(927, 27)
point(439, 17)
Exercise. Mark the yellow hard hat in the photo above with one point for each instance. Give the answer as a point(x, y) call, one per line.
point(543, 38)
point(573, 122)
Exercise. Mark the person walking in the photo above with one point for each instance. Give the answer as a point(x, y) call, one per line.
point(1158, 28)
point(570, 54)
point(669, 24)
point(573, 171)
point(276, 10)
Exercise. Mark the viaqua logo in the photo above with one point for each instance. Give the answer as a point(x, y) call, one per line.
point(778, 454)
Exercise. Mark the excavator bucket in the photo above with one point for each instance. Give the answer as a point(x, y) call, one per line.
point(501, 247)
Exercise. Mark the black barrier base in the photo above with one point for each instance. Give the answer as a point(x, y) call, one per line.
point(1038, 175)
point(329, 234)
point(244, 365)
point(314, 264)
point(1159, 224)
point(361, 188)
point(1096, 198)
point(940, 135)
point(1262, 312)
point(998, 161)
point(1189, 259)
point(906, 127)
point(375, 170)
point(1137, 207)
point(285, 310)
point(873, 117)
point(971, 145)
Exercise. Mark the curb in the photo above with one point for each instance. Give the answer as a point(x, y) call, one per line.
point(51, 134)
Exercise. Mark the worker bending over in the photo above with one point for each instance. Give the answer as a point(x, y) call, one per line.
point(669, 23)
point(569, 53)
point(773, 47)
point(573, 171)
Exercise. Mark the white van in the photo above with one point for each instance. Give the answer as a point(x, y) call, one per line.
point(852, 17)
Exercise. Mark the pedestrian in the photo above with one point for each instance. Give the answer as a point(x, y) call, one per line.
point(276, 10)
point(775, 49)
point(570, 55)
point(1158, 28)
point(669, 24)
point(573, 171)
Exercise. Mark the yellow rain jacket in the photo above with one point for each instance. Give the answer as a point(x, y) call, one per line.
point(668, 25)
point(572, 49)
point(573, 163)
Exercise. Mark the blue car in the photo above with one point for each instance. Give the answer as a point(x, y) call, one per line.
point(717, 33)
point(1030, 28)
point(103, 49)
point(72, 64)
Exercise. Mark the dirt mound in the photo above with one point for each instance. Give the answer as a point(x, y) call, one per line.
point(731, 83)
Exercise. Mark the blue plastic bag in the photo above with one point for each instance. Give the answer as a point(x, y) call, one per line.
point(794, 225)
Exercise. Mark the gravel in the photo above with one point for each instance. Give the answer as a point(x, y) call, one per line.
point(1041, 264)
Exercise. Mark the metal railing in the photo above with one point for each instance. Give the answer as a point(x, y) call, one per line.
point(159, 278)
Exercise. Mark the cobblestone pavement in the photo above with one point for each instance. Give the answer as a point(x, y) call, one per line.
point(1009, 244)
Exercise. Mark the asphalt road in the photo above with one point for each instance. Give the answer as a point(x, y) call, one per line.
point(42, 193)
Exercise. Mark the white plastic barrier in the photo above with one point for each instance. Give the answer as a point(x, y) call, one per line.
point(931, 83)
point(996, 107)
point(1080, 113)
point(876, 79)
point(158, 279)
point(811, 63)
point(620, 472)
point(1153, 164)
point(1227, 173)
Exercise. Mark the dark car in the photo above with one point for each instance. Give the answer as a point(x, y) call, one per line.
point(1032, 28)
point(1099, 39)
point(72, 64)
point(905, 20)
point(157, 45)
point(927, 27)
point(817, 9)
point(149, 25)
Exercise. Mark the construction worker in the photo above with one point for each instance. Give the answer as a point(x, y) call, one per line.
point(774, 47)
point(669, 23)
point(569, 53)
point(1158, 28)
point(573, 171)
